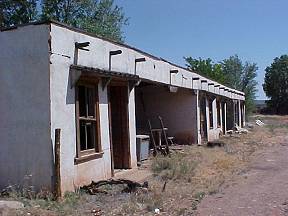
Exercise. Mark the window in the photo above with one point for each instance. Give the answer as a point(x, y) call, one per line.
point(88, 140)
point(211, 113)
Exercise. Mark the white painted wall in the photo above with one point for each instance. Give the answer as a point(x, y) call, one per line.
point(178, 111)
point(30, 77)
point(25, 144)
point(154, 69)
point(63, 109)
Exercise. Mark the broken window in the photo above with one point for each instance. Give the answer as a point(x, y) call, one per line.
point(88, 141)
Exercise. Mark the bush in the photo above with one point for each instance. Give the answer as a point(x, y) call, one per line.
point(173, 167)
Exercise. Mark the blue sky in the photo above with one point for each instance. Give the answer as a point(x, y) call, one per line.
point(256, 30)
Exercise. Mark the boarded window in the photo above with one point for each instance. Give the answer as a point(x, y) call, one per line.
point(88, 141)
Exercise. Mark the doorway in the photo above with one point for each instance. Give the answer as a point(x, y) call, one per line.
point(223, 118)
point(230, 116)
point(119, 126)
point(203, 119)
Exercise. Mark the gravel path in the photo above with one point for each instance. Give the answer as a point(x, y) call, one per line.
point(261, 191)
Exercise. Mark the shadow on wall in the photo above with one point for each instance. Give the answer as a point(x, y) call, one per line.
point(184, 138)
point(177, 110)
point(70, 90)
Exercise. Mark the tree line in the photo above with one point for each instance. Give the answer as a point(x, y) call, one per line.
point(276, 85)
point(102, 17)
point(232, 72)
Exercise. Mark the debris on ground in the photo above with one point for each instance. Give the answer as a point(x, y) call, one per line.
point(240, 130)
point(131, 186)
point(96, 212)
point(157, 211)
point(259, 123)
point(229, 132)
point(11, 204)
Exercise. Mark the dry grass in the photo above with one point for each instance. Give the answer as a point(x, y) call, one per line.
point(190, 175)
point(175, 166)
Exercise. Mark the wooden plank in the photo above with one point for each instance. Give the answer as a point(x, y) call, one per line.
point(57, 164)
point(164, 134)
point(152, 138)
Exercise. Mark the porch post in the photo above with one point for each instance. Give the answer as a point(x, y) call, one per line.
point(214, 113)
point(132, 126)
point(234, 113)
point(198, 138)
point(207, 117)
point(239, 114)
point(244, 115)
point(225, 118)
point(221, 114)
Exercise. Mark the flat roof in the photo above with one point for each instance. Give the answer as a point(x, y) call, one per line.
point(49, 21)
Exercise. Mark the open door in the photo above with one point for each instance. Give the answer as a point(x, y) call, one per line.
point(119, 126)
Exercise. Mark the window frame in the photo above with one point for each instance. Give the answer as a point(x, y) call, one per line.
point(88, 154)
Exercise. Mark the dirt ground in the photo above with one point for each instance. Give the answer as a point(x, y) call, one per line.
point(263, 188)
point(247, 175)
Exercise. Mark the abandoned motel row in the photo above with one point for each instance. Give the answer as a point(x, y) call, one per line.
point(100, 94)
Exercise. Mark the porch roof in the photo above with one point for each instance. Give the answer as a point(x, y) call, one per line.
point(104, 73)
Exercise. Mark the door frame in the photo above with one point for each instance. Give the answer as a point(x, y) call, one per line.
point(118, 83)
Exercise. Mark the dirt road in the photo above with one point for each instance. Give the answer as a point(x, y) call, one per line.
point(262, 190)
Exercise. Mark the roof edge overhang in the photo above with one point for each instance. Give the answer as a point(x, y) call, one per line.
point(50, 21)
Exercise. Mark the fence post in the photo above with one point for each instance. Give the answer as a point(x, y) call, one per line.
point(57, 164)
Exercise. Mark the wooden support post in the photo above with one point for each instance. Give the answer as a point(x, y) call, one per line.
point(152, 138)
point(225, 118)
point(57, 164)
point(164, 134)
point(239, 114)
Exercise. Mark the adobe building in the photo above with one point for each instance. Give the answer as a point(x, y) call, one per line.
point(100, 94)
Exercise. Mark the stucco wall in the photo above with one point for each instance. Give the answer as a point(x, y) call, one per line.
point(178, 111)
point(154, 69)
point(30, 78)
point(63, 109)
point(26, 155)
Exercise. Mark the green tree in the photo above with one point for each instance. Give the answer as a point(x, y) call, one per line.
point(276, 84)
point(231, 72)
point(14, 12)
point(233, 69)
point(101, 17)
point(241, 76)
point(206, 68)
point(248, 85)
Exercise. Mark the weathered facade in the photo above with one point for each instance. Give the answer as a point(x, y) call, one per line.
point(100, 94)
